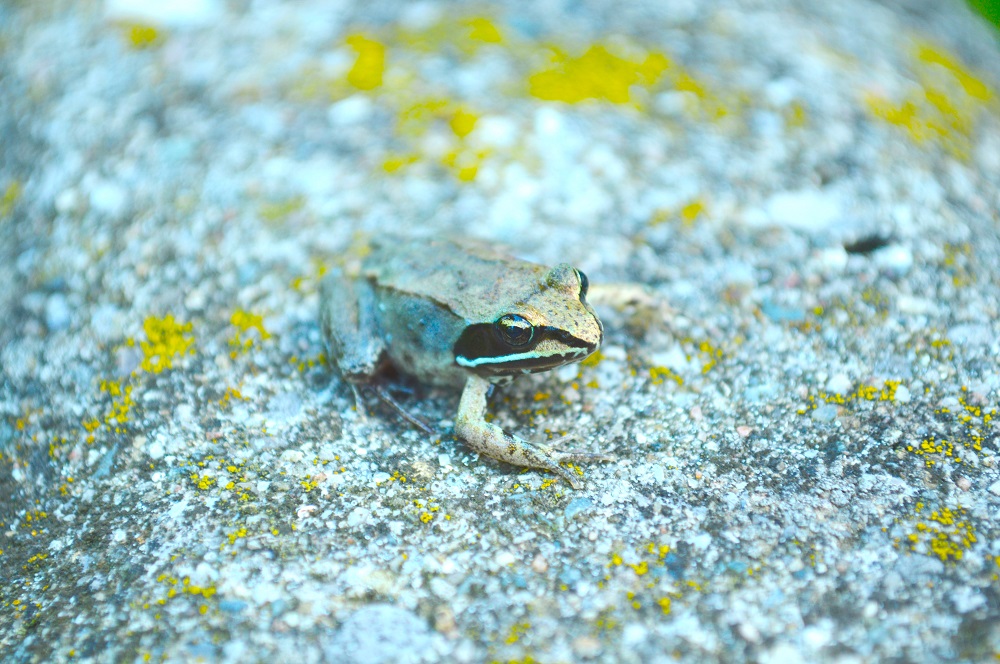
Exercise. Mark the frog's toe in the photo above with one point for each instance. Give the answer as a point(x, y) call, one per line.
point(568, 476)
point(586, 457)
point(556, 443)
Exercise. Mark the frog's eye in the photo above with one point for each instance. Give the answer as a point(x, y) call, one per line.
point(584, 284)
point(514, 329)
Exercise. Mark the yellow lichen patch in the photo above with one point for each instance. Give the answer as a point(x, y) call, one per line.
point(877, 300)
point(203, 482)
point(175, 588)
point(57, 444)
point(366, 74)
point(274, 211)
point(945, 534)
point(9, 199)
point(945, 105)
point(166, 339)
point(606, 621)
point(642, 593)
point(464, 34)
point(245, 321)
point(118, 413)
point(229, 396)
point(191, 589)
point(687, 215)
point(464, 164)
point(239, 533)
point(795, 115)
point(309, 283)
point(975, 427)
point(957, 257)
point(592, 360)
point(141, 36)
point(482, 30)
point(872, 306)
point(416, 118)
point(36, 559)
point(427, 510)
point(640, 568)
point(597, 74)
point(248, 325)
point(517, 630)
point(863, 392)
point(304, 363)
point(711, 354)
point(691, 212)
point(31, 523)
point(972, 86)
point(394, 163)
point(462, 122)
point(658, 374)
point(703, 102)
point(30, 417)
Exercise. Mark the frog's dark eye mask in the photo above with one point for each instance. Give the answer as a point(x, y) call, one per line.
point(512, 345)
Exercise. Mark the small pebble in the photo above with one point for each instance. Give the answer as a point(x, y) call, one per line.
point(109, 198)
point(808, 210)
point(57, 313)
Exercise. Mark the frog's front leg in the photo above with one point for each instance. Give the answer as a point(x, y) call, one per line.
point(491, 440)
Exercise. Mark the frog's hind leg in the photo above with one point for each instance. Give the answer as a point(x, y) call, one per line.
point(351, 329)
point(388, 399)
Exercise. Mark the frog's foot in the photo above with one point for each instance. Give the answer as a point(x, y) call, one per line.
point(494, 442)
point(489, 439)
point(387, 398)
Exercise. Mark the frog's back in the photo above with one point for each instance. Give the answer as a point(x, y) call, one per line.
point(472, 279)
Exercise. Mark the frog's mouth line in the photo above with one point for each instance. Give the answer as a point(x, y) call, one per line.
point(529, 362)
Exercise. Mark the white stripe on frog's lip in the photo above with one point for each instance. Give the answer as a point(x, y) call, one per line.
point(516, 357)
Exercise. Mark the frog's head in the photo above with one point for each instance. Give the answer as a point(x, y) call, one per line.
point(550, 326)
